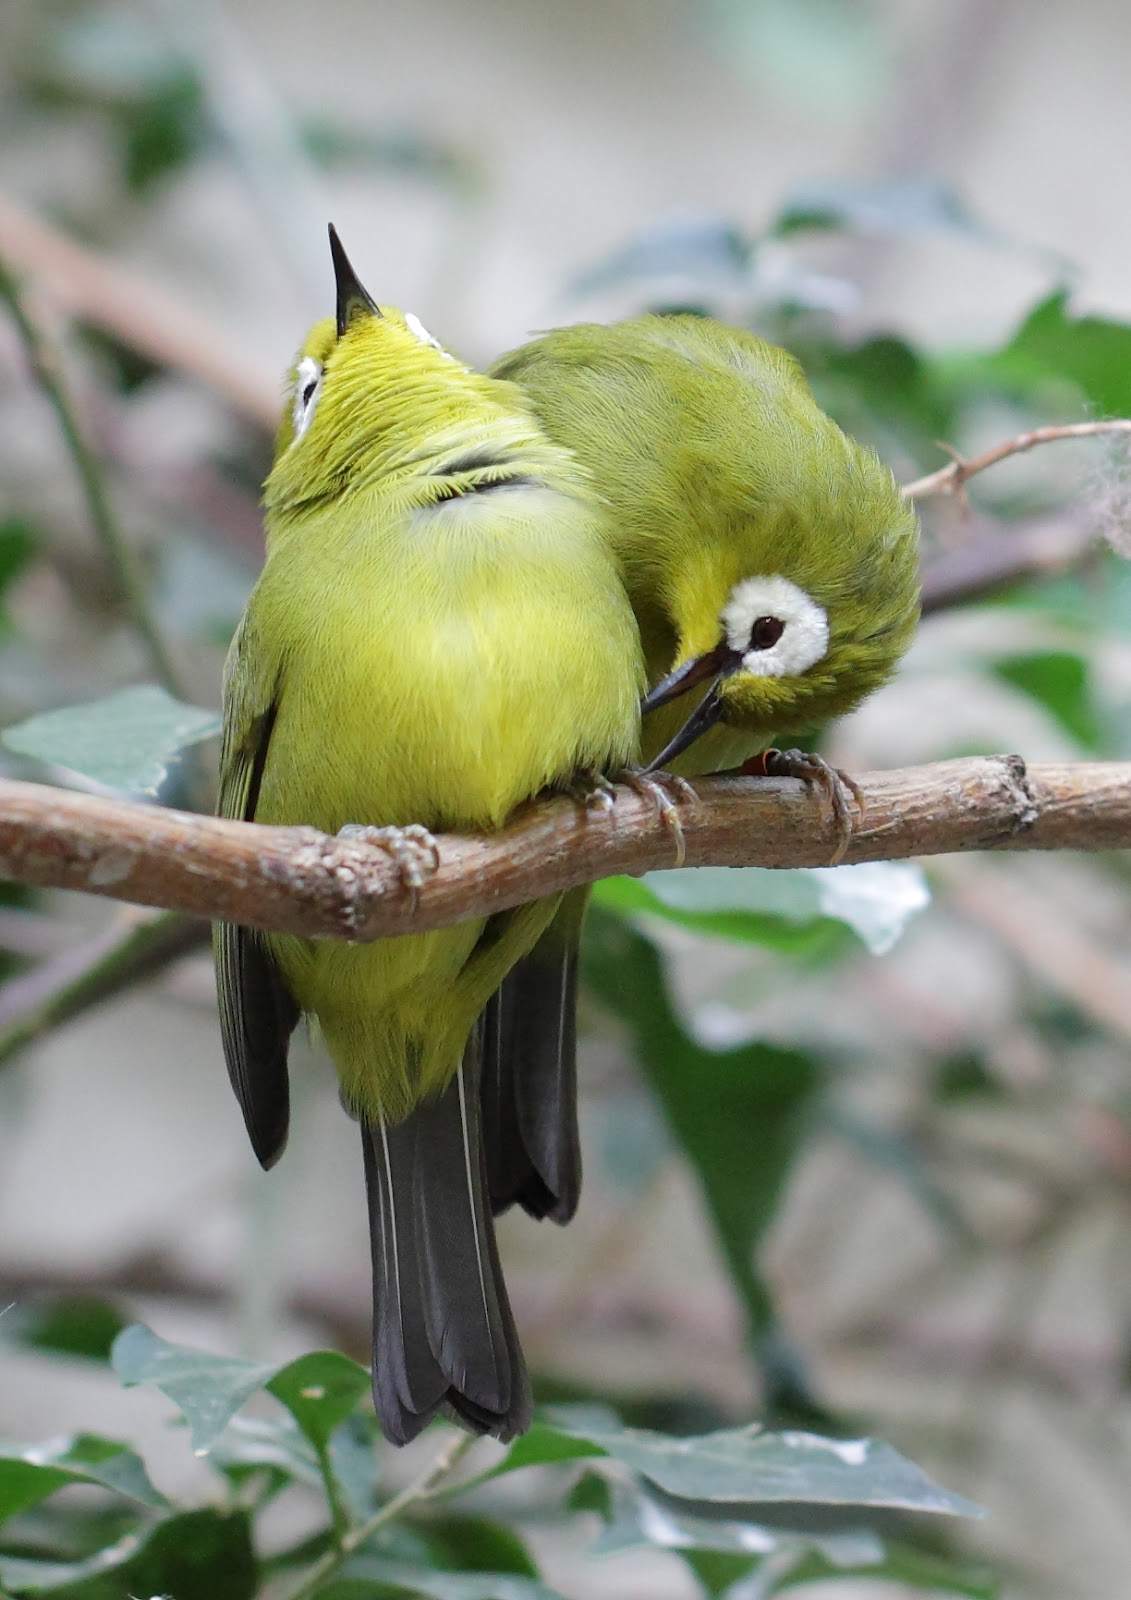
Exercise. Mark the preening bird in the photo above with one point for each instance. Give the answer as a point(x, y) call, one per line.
point(439, 632)
point(769, 559)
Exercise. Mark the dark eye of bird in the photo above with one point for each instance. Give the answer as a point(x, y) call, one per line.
point(308, 391)
point(766, 632)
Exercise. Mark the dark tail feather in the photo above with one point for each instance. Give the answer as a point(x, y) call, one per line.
point(529, 1085)
point(443, 1334)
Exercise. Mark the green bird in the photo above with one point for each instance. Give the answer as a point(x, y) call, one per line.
point(767, 556)
point(439, 633)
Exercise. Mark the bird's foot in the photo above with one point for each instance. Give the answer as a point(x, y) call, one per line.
point(593, 790)
point(666, 791)
point(841, 790)
point(598, 793)
point(412, 850)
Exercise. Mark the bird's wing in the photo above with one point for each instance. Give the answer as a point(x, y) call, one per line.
point(257, 1012)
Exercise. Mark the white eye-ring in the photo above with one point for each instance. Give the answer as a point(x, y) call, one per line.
point(777, 628)
point(308, 386)
point(414, 325)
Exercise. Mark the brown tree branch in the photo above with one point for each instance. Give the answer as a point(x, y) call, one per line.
point(297, 880)
point(951, 478)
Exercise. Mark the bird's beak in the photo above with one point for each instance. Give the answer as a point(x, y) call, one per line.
point(712, 665)
point(716, 665)
point(352, 297)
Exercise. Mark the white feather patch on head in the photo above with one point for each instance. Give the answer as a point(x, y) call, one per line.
point(805, 627)
point(308, 386)
point(414, 325)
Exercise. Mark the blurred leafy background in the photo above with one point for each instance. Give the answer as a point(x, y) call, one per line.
point(853, 1160)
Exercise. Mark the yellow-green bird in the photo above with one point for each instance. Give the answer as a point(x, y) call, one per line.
point(767, 556)
point(439, 633)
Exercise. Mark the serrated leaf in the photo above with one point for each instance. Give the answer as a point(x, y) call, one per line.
point(29, 1474)
point(126, 741)
point(753, 1466)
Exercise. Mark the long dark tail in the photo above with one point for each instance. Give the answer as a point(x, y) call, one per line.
point(444, 1337)
point(529, 1078)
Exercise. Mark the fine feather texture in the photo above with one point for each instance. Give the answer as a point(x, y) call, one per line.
point(444, 1337)
point(438, 634)
point(732, 495)
point(257, 1012)
point(528, 1042)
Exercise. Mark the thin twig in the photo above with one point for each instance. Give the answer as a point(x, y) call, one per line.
point(134, 945)
point(114, 544)
point(350, 1542)
point(300, 881)
point(137, 313)
point(950, 479)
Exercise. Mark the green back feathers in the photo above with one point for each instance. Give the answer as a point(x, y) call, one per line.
point(717, 464)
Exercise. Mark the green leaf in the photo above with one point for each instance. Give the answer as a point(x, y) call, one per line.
point(1093, 353)
point(368, 1576)
point(738, 1113)
point(28, 1475)
point(641, 1519)
point(319, 1390)
point(126, 741)
point(543, 1446)
point(698, 250)
point(752, 1466)
point(198, 1555)
point(207, 1389)
point(477, 1544)
point(353, 1461)
point(901, 1564)
point(793, 927)
point(17, 546)
point(1061, 682)
point(895, 208)
point(876, 899)
point(275, 1445)
point(81, 1327)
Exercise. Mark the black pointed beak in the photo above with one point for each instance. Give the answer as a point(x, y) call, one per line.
point(705, 715)
point(352, 297)
point(717, 663)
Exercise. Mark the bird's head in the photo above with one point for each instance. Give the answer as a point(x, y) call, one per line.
point(365, 383)
point(807, 603)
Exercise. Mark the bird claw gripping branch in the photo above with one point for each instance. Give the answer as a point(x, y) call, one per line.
point(666, 791)
point(412, 849)
point(841, 790)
